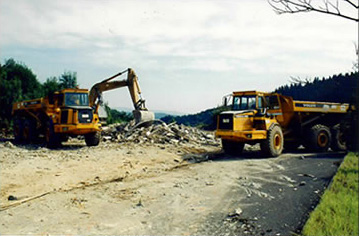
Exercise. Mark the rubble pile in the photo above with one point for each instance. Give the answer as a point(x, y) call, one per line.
point(158, 132)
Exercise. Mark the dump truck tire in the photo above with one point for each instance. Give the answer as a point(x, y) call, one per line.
point(18, 130)
point(29, 131)
point(93, 139)
point(338, 142)
point(232, 148)
point(52, 139)
point(319, 138)
point(273, 145)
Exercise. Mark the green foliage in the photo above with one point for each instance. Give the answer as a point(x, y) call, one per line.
point(68, 80)
point(337, 213)
point(51, 85)
point(17, 82)
point(115, 116)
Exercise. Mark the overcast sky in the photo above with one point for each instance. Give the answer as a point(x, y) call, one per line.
point(187, 54)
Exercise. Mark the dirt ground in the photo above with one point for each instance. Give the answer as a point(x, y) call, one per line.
point(127, 188)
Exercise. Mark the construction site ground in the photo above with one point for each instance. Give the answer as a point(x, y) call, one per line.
point(157, 189)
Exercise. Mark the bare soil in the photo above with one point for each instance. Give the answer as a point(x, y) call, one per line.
point(152, 189)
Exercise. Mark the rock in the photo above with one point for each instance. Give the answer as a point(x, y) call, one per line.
point(302, 183)
point(12, 198)
point(9, 144)
point(209, 183)
point(307, 175)
point(139, 204)
point(236, 212)
point(106, 138)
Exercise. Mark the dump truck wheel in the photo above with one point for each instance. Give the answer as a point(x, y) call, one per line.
point(52, 139)
point(93, 139)
point(273, 145)
point(18, 130)
point(338, 142)
point(232, 148)
point(319, 138)
point(29, 131)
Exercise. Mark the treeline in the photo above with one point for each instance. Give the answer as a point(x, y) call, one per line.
point(18, 82)
point(338, 88)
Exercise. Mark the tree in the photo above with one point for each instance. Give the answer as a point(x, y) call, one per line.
point(115, 116)
point(51, 85)
point(331, 7)
point(68, 80)
point(17, 82)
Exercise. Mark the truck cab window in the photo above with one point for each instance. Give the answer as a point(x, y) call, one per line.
point(260, 103)
point(76, 99)
point(244, 103)
point(272, 102)
point(251, 102)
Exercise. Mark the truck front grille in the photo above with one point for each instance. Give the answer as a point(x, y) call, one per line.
point(225, 121)
point(85, 116)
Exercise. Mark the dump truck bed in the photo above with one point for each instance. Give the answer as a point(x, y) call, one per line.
point(28, 104)
point(324, 107)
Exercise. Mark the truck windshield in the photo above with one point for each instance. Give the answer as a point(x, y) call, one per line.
point(244, 103)
point(76, 99)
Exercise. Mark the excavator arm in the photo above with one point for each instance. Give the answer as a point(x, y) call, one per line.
point(140, 111)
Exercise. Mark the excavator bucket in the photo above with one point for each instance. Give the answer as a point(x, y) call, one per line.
point(143, 116)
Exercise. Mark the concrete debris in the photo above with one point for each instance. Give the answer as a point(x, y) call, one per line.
point(158, 132)
point(9, 144)
point(235, 212)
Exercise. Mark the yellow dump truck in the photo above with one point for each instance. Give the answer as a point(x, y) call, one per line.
point(278, 122)
point(72, 112)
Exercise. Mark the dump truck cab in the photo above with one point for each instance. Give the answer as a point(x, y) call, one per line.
point(72, 113)
point(251, 115)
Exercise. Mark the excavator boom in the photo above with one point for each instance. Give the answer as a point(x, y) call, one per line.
point(140, 111)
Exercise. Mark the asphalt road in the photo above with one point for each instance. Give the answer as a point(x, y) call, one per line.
point(288, 208)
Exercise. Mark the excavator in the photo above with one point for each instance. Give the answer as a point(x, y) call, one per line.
point(140, 112)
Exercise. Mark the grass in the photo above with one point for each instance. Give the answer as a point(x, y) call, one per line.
point(337, 212)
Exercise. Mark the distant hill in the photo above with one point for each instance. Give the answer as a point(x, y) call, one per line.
point(206, 119)
point(158, 114)
point(338, 88)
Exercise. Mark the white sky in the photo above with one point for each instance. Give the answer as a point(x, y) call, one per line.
point(187, 54)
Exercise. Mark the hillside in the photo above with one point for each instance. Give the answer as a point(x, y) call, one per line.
point(338, 88)
point(205, 119)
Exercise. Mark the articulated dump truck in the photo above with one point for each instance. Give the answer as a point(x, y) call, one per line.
point(72, 112)
point(278, 122)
